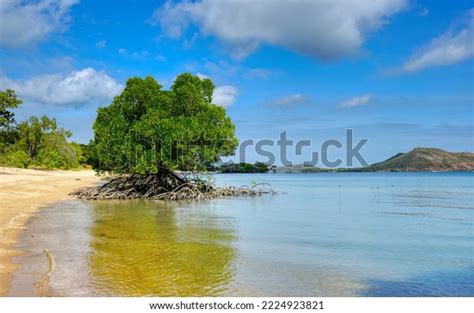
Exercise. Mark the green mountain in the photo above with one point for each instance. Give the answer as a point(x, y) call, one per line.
point(426, 159)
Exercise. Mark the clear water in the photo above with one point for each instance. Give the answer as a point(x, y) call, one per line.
point(328, 234)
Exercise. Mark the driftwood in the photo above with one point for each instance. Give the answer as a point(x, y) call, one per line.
point(167, 186)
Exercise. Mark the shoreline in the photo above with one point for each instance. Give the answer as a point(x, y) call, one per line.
point(22, 193)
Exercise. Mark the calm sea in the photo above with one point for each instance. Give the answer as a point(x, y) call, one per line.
point(328, 234)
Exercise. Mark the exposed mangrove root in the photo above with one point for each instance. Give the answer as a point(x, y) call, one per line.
point(167, 186)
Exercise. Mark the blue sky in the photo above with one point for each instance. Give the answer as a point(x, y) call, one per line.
point(399, 73)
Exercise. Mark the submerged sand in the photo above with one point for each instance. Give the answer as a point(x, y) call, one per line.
point(22, 192)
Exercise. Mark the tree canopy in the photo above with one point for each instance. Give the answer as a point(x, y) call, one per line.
point(8, 101)
point(258, 167)
point(147, 130)
point(36, 142)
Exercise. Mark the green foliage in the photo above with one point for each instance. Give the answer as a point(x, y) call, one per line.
point(42, 144)
point(54, 151)
point(36, 142)
point(14, 158)
point(261, 167)
point(8, 101)
point(89, 155)
point(8, 136)
point(308, 169)
point(258, 167)
point(147, 129)
point(8, 133)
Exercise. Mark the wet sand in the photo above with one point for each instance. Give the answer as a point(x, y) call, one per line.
point(22, 192)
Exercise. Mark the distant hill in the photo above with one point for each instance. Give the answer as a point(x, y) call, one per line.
point(416, 160)
point(426, 159)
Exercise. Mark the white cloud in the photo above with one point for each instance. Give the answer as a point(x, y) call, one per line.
point(76, 88)
point(449, 48)
point(225, 95)
point(225, 69)
point(101, 44)
point(290, 100)
point(355, 101)
point(134, 54)
point(326, 29)
point(25, 23)
point(201, 75)
point(424, 11)
point(160, 58)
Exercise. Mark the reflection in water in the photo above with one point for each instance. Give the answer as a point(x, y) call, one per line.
point(139, 248)
point(334, 234)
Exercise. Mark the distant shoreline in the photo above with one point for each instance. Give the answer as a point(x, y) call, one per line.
point(22, 193)
point(338, 172)
point(415, 160)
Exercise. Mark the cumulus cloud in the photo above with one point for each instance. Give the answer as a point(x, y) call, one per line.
point(325, 29)
point(225, 95)
point(288, 101)
point(25, 23)
point(76, 88)
point(355, 101)
point(449, 48)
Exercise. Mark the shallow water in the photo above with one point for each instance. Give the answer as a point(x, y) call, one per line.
point(328, 234)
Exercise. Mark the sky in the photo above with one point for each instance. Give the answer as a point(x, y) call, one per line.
point(399, 73)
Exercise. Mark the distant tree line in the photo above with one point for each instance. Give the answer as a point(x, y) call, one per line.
point(37, 142)
point(258, 167)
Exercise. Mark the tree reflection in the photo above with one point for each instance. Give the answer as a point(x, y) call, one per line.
point(150, 248)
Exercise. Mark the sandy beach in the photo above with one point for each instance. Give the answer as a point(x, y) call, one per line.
point(22, 192)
